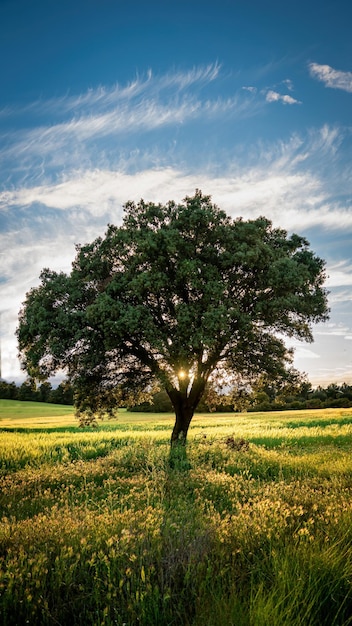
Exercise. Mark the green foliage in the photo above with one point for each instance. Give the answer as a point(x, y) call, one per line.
point(297, 393)
point(28, 391)
point(159, 403)
point(178, 295)
point(8, 391)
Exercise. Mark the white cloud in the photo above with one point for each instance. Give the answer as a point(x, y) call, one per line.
point(335, 79)
point(330, 358)
point(250, 89)
point(103, 97)
point(146, 115)
point(332, 329)
point(274, 96)
point(70, 143)
point(289, 84)
point(147, 104)
point(338, 296)
point(294, 201)
point(21, 265)
point(326, 375)
point(305, 353)
point(340, 274)
point(272, 183)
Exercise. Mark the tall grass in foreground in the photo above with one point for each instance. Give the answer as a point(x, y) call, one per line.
point(103, 527)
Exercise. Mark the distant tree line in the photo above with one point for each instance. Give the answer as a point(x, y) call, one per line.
point(30, 392)
point(304, 397)
point(266, 396)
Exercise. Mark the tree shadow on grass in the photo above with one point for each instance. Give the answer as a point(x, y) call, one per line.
point(178, 459)
point(186, 541)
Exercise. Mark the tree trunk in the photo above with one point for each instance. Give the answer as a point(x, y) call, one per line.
point(185, 403)
point(183, 419)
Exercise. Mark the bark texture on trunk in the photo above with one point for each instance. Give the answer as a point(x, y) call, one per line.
point(183, 419)
point(185, 401)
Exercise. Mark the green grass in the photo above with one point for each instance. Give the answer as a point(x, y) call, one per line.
point(103, 527)
point(14, 414)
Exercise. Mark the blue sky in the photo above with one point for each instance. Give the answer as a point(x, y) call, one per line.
point(105, 101)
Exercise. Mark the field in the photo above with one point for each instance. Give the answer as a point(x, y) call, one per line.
point(250, 526)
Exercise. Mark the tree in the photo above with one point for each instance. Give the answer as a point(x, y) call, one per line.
point(27, 391)
point(44, 392)
point(63, 394)
point(177, 296)
point(8, 391)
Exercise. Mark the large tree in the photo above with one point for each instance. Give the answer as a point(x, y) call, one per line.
point(176, 296)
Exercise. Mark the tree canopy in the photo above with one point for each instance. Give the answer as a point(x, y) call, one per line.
point(178, 295)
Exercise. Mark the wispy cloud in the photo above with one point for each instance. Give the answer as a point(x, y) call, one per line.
point(338, 296)
point(250, 88)
point(90, 125)
point(272, 177)
point(274, 96)
point(335, 79)
point(340, 274)
point(104, 97)
point(332, 329)
point(142, 116)
point(289, 84)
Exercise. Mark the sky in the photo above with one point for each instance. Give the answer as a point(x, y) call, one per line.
point(105, 101)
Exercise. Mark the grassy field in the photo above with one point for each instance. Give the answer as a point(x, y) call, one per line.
point(251, 526)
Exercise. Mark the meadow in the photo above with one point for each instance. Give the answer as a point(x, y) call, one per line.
point(251, 525)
